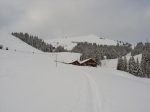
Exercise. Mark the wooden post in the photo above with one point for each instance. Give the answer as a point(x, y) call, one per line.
point(56, 60)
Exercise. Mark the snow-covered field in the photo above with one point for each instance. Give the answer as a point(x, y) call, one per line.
point(70, 42)
point(36, 83)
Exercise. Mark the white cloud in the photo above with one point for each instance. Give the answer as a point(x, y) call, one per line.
point(122, 20)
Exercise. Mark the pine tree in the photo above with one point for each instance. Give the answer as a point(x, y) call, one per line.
point(120, 65)
point(138, 49)
point(60, 49)
point(145, 62)
point(143, 65)
point(125, 64)
point(132, 66)
point(138, 67)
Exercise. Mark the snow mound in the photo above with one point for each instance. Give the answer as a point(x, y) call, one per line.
point(69, 43)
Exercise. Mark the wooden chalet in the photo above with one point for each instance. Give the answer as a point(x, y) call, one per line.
point(87, 62)
point(75, 63)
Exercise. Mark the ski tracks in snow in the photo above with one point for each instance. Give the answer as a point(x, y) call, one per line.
point(90, 99)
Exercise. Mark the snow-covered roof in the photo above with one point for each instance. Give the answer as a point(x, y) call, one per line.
point(81, 62)
point(86, 60)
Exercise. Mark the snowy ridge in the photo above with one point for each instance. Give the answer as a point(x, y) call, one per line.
point(70, 42)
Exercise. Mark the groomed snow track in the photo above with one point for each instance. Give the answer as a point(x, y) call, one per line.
point(90, 99)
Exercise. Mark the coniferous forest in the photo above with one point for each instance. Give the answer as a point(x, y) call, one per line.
point(98, 52)
point(38, 43)
point(34, 41)
point(133, 66)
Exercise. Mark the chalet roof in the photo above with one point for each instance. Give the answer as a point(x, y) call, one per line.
point(81, 62)
point(86, 60)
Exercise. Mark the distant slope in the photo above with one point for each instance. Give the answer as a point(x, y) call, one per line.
point(13, 43)
point(69, 43)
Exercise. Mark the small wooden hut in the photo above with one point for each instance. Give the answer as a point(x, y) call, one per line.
point(89, 62)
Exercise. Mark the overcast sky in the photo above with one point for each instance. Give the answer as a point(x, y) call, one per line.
point(127, 20)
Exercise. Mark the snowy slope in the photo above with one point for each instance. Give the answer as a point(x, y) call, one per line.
point(13, 43)
point(32, 83)
point(112, 63)
point(36, 83)
point(70, 42)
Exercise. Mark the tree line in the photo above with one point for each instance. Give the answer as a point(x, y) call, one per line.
point(98, 52)
point(133, 66)
point(139, 48)
point(37, 43)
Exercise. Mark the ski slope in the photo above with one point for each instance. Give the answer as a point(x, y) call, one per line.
point(34, 82)
point(70, 42)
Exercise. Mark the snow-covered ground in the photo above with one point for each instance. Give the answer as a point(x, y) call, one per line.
point(70, 42)
point(34, 82)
